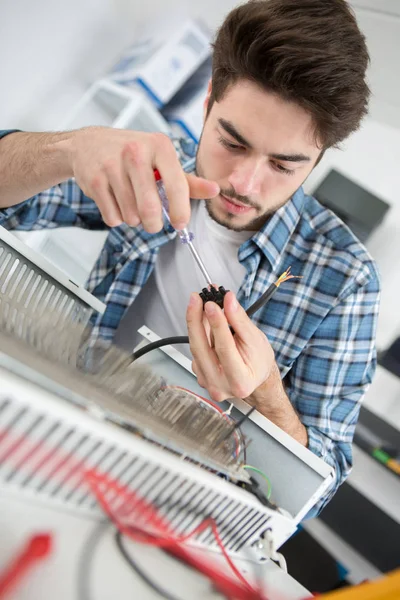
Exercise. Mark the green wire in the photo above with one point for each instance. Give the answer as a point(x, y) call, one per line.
point(262, 475)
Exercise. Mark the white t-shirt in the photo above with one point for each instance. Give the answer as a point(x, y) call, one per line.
point(162, 303)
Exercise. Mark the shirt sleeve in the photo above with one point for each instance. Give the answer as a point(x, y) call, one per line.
point(329, 379)
point(64, 205)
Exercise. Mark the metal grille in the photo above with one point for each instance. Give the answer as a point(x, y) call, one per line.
point(46, 453)
point(47, 444)
point(27, 292)
point(43, 326)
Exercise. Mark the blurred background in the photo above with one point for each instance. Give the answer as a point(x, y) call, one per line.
point(83, 62)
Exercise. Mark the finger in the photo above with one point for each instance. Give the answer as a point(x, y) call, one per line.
point(106, 202)
point(123, 193)
point(207, 329)
point(138, 167)
point(238, 319)
point(148, 200)
point(175, 184)
point(216, 393)
point(200, 377)
point(200, 188)
point(203, 355)
point(225, 347)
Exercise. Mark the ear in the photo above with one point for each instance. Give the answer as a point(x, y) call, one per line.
point(207, 100)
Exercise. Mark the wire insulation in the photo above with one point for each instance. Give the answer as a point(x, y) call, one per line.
point(249, 467)
point(86, 557)
point(138, 570)
point(169, 341)
point(164, 536)
point(239, 443)
point(184, 339)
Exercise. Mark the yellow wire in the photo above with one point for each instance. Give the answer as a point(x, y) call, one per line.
point(286, 276)
point(262, 475)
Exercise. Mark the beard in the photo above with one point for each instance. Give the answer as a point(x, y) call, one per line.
point(228, 220)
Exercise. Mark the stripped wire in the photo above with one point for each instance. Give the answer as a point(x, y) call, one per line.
point(183, 339)
point(286, 275)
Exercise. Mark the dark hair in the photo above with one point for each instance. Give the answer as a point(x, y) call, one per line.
point(310, 52)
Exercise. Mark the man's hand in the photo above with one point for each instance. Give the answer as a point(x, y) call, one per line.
point(229, 365)
point(115, 168)
point(241, 365)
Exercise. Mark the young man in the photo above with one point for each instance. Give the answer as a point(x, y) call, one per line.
point(288, 82)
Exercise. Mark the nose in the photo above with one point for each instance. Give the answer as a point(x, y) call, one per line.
point(246, 177)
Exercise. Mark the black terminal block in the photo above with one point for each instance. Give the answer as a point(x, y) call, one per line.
point(213, 295)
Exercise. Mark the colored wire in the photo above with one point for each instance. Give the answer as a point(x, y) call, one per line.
point(238, 440)
point(34, 550)
point(249, 467)
point(270, 292)
point(169, 540)
point(209, 402)
point(138, 570)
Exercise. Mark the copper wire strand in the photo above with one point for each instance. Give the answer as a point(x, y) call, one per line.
point(286, 275)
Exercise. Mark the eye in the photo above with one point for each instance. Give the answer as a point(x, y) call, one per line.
point(281, 169)
point(229, 145)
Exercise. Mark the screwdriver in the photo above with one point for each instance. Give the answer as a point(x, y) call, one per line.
point(184, 234)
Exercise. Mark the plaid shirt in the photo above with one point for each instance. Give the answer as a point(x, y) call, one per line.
point(321, 327)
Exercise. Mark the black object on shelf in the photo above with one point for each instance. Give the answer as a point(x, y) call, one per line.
point(359, 209)
point(390, 358)
point(378, 439)
point(381, 428)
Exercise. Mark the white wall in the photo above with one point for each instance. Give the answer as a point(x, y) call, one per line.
point(371, 158)
point(380, 22)
point(52, 49)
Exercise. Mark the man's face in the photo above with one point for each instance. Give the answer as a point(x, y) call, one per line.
point(259, 149)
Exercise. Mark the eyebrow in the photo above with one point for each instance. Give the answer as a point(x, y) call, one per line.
point(232, 131)
point(291, 157)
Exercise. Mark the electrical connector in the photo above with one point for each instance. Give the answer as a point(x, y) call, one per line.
point(212, 294)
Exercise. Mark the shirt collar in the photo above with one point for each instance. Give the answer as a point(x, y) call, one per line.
point(273, 237)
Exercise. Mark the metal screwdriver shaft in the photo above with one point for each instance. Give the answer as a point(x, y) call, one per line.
point(195, 254)
point(185, 235)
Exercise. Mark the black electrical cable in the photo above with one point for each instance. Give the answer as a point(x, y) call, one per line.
point(138, 570)
point(184, 339)
point(169, 341)
point(87, 556)
point(262, 300)
point(237, 424)
point(86, 559)
point(243, 418)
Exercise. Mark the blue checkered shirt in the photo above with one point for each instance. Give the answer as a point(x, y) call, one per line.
point(321, 327)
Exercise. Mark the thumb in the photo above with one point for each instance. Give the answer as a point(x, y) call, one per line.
point(237, 318)
point(201, 188)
